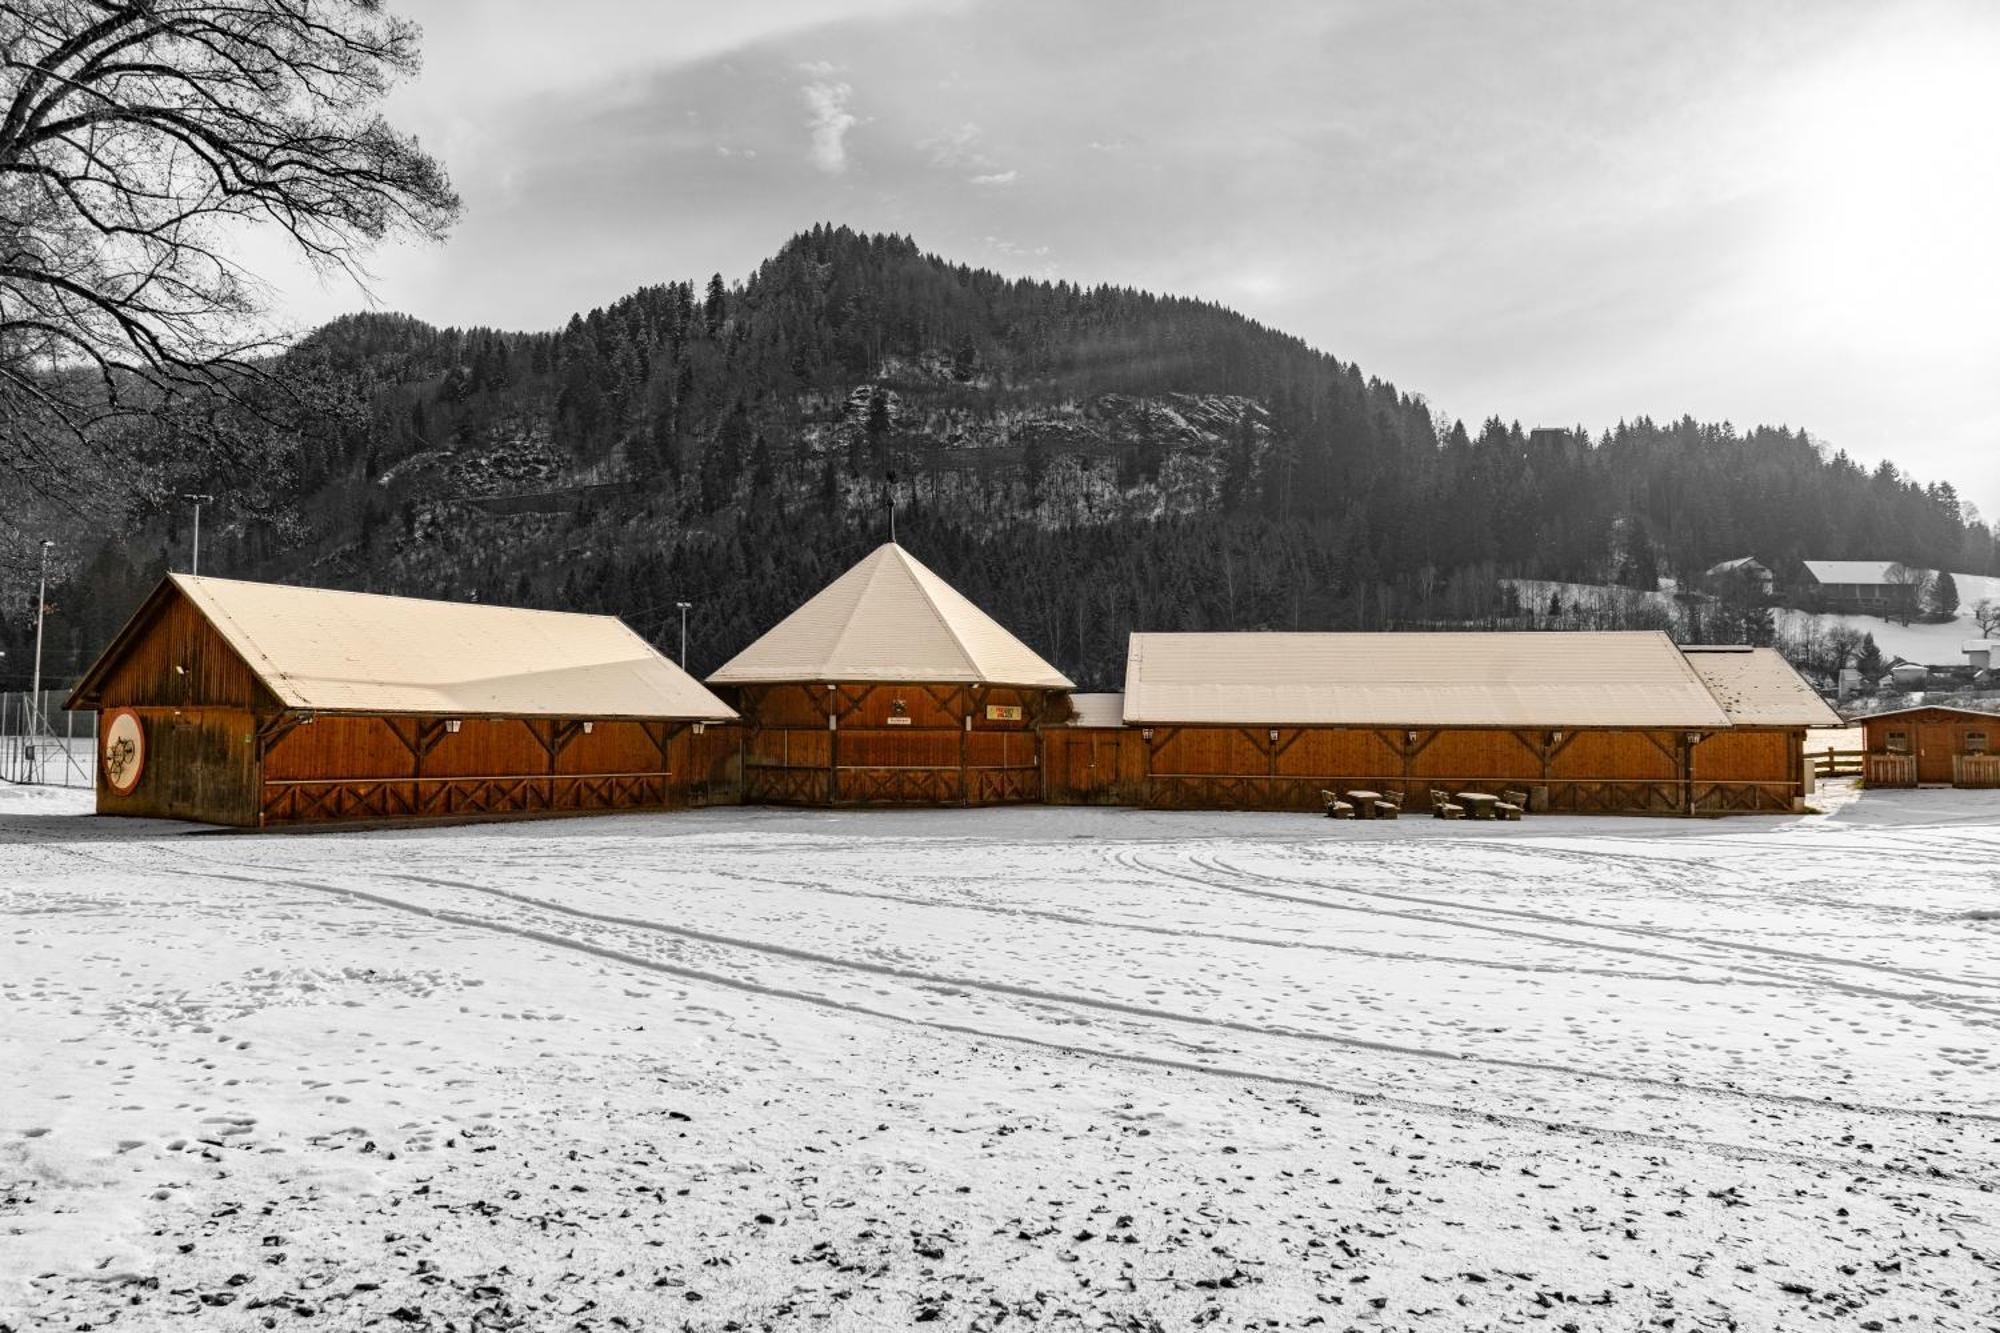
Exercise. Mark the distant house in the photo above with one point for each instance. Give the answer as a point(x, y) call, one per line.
point(1746, 566)
point(1979, 653)
point(1862, 587)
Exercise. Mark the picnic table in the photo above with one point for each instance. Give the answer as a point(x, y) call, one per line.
point(1364, 803)
point(1478, 805)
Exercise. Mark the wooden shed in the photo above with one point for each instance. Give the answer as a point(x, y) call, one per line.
point(1931, 744)
point(260, 704)
point(888, 687)
point(1585, 722)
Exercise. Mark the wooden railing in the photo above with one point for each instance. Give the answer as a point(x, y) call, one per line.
point(1975, 770)
point(1889, 770)
point(1832, 763)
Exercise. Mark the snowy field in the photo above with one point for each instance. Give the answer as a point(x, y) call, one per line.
point(746, 1069)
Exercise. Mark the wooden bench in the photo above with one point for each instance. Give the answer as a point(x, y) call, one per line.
point(1443, 807)
point(1335, 807)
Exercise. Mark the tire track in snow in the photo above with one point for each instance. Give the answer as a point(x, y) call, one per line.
point(1038, 996)
point(1388, 955)
point(1763, 974)
point(1569, 1129)
point(1219, 866)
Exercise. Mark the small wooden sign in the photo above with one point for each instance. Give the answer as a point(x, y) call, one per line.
point(1003, 712)
point(899, 721)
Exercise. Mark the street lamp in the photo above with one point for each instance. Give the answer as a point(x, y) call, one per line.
point(684, 607)
point(199, 500)
point(41, 613)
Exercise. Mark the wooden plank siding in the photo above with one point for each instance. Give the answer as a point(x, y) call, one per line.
point(1286, 768)
point(201, 763)
point(820, 743)
point(360, 767)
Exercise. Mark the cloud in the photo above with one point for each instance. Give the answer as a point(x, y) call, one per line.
point(827, 98)
point(995, 179)
point(955, 148)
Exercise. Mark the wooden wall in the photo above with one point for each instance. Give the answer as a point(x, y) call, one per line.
point(1093, 766)
point(360, 767)
point(176, 659)
point(201, 764)
point(812, 743)
point(1287, 768)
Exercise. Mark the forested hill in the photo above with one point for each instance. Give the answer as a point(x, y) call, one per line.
point(1082, 461)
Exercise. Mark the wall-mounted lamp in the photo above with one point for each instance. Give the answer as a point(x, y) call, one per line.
point(1409, 738)
point(452, 725)
point(700, 728)
point(1555, 738)
point(589, 727)
point(1273, 733)
point(1146, 734)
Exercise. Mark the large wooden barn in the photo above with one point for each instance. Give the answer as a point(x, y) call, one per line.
point(1931, 745)
point(1584, 722)
point(259, 704)
point(888, 687)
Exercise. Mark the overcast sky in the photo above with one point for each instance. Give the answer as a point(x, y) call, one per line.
point(1561, 212)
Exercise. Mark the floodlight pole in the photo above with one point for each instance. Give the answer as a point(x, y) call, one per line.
point(41, 614)
point(684, 606)
point(198, 499)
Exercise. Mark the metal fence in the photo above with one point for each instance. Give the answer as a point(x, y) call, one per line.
point(43, 742)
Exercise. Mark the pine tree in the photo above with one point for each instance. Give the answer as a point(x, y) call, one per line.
point(1944, 595)
point(1869, 660)
point(715, 309)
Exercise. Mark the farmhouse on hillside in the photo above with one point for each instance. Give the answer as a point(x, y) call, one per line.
point(1585, 722)
point(889, 687)
point(1867, 587)
point(1748, 568)
point(259, 704)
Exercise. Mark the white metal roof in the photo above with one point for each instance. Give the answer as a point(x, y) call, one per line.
point(1462, 679)
point(1757, 687)
point(332, 651)
point(889, 619)
point(1098, 710)
point(1849, 571)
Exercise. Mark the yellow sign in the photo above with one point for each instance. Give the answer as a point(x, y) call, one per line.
point(1003, 712)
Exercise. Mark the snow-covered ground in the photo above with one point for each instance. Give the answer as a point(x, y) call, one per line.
point(742, 1069)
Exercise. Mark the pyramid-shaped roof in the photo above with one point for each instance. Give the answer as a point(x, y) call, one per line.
point(890, 619)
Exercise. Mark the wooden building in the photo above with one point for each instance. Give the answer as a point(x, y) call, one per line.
point(1584, 722)
point(888, 687)
point(259, 704)
point(1931, 745)
point(1759, 765)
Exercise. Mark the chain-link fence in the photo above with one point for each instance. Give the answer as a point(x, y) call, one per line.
point(43, 742)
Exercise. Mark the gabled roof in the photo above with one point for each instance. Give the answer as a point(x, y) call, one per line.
point(1757, 687)
point(1926, 708)
point(890, 619)
point(1849, 571)
point(1455, 679)
point(329, 651)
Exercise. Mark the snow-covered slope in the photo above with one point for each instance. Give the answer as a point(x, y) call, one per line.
point(1078, 1068)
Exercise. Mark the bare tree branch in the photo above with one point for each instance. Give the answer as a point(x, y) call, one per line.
point(134, 134)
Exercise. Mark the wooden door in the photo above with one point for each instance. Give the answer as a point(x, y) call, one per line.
point(1934, 751)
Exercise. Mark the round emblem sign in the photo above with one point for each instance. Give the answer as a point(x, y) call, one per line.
point(123, 749)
